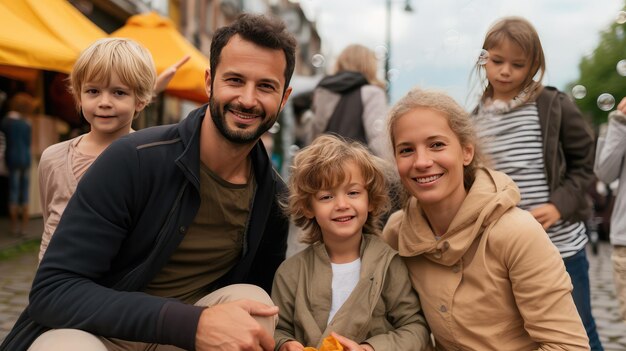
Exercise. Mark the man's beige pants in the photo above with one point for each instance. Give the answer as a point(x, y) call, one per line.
point(78, 340)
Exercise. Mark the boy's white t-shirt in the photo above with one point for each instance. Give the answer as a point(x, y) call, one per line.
point(345, 278)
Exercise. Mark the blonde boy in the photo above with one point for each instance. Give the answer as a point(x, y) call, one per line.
point(112, 82)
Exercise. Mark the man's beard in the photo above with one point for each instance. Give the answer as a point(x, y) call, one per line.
point(238, 136)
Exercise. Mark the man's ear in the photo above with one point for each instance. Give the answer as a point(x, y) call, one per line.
point(285, 97)
point(207, 82)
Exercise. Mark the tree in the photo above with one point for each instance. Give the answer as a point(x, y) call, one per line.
point(598, 73)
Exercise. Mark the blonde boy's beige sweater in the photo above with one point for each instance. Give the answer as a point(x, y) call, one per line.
point(57, 184)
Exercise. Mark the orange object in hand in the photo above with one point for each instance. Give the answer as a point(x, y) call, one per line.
point(328, 344)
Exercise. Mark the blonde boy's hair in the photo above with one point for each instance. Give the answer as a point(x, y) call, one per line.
point(131, 61)
point(358, 58)
point(321, 166)
point(458, 119)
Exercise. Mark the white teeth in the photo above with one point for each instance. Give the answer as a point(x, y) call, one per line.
point(427, 179)
point(243, 116)
point(343, 219)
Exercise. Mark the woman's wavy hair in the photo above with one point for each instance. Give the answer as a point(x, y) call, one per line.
point(458, 119)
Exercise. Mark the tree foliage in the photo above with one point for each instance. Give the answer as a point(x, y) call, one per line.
point(598, 72)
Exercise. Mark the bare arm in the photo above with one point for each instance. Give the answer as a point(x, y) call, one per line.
point(166, 76)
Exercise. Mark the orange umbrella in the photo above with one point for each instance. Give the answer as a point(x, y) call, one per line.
point(24, 45)
point(168, 46)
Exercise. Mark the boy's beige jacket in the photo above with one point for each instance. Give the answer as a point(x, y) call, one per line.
point(493, 281)
point(382, 310)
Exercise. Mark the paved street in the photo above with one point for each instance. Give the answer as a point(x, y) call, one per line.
point(17, 273)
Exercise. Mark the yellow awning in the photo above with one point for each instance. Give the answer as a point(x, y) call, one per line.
point(60, 19)
point(24, 45)
point(168, 46)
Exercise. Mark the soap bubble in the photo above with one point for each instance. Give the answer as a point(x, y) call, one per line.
point(483, 57)
point(451, 40)
point(379, 125)
point(381, 52)
point(621, 17)
point(318, 60)
point(293, 150)
point(606, 102)
point(579, 91)
point(621, 68)
point(275, 128)
point(393, 74)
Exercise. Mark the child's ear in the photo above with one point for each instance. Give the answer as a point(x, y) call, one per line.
point(139, 106)
point(308, 213)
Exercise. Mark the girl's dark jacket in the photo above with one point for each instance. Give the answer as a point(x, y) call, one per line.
point(568, 153)
point(129, 214)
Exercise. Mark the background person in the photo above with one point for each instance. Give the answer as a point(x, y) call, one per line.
point(611, 165)
point(17, 131)
point(352, 102)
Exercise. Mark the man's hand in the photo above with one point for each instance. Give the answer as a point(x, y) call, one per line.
point(230, 327)
point(546, 214)
point(164, 78)
point(350, 345)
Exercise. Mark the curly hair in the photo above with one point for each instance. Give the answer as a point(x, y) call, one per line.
point(321, 165)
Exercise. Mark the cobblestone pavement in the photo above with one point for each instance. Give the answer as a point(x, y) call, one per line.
point(16, 275)
point(604, 304)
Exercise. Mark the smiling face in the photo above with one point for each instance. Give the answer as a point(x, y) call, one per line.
point(507, 69)
point(246, 93)
point(430, 158)
point(341, 212)
point(109, 108)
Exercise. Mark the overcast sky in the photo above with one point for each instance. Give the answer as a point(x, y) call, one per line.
point(436, 45)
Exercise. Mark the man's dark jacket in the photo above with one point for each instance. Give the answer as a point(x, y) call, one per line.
point(130, 212)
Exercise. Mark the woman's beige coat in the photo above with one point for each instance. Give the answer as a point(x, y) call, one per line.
point(382, 310)
point(493, 281)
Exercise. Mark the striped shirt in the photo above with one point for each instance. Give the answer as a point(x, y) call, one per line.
point(513, 142)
